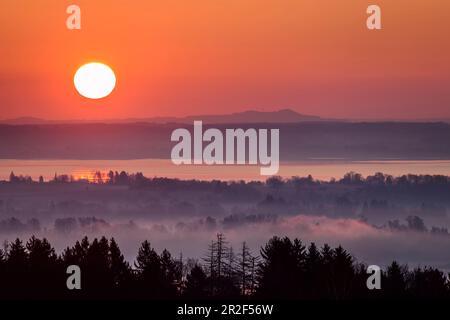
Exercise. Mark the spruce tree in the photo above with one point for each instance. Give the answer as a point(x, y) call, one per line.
point(120, 268)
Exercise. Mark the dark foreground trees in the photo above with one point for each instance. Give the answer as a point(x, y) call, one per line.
point(285, 270)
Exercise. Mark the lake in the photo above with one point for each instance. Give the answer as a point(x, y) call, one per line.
point(319, 169)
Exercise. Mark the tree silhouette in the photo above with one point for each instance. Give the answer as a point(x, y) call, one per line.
point(246, 264)
point(170, 272)
point(220, 262)
point(97, 275)
point(222, 249)
point(281, 268)
point(155, 274)
point(210, 262)
point(120, 269)
point(44, 267)
point(395, 280)
point(342, 273)
point(314, 272)
point(2, 274)
point(17, 268)
point(196, 283)
point(327, 264)
point(429, 283)
point(286, 271)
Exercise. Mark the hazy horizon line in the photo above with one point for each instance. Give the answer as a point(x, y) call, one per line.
point(33, 119)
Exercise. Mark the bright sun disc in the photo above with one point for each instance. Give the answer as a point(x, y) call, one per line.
point(94, 80)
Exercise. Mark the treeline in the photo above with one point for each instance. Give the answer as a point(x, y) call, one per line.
point(139, 180)
point(284, 269)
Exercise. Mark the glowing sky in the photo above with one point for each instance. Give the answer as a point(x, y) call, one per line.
point(180, 57)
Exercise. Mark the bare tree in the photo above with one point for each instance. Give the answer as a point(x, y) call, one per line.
point(247, 264)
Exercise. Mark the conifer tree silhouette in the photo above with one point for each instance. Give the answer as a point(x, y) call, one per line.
point(395, 280)
point(120, 269)
point(17, 269)
point(286, 271)
point(281, 268)
point(196, 283)
point(44, 267)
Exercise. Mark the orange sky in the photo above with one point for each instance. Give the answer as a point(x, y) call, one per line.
point(180, 57)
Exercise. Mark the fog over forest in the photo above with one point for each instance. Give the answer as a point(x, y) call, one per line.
point(379, 218)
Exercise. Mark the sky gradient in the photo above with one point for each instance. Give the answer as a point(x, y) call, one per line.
point(179, 57)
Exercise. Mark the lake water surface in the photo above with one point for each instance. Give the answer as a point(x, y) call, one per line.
point(319, 169)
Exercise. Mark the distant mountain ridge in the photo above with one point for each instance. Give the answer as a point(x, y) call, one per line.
point(246, 117)
point(23, 120)
point(250, 116)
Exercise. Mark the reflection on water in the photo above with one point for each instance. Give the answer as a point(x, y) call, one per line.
point(321, 169)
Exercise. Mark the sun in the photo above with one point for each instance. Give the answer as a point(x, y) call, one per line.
point(94, 80)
